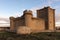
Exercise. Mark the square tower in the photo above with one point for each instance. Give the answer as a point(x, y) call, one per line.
point(48, 14)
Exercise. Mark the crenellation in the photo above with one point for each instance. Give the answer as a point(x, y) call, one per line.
point(27, 11)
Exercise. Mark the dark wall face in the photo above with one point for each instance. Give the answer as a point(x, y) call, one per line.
point(43, 13)
point(20, 22)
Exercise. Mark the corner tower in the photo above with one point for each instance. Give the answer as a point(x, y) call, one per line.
point(28, 17)
point(48, 14)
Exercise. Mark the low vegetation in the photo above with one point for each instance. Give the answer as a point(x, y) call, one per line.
point(32, 36)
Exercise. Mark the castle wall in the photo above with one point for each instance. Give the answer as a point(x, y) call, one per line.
point(16, 22)
point(48, 14)
point(45, 21)
point(51, 17)
point(35, 24)
point(43, 13)
point(24, 30)
point(19, 22)
point(38, 24)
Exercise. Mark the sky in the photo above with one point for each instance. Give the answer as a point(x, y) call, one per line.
point(16, 7)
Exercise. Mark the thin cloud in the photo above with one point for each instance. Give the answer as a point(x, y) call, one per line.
point(4, 22)
point(52, 1)
point(4, 19)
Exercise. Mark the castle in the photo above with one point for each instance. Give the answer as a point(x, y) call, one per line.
point(44, 22)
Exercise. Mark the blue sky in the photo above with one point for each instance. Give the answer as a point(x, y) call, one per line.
point(16, 7)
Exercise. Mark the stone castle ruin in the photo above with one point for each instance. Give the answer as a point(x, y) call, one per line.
point(44, 22)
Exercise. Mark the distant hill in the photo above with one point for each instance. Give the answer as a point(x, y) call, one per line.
point(33, 36)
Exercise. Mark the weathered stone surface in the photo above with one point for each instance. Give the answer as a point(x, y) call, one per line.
point(45, 20)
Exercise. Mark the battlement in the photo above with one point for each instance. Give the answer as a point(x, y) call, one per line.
point(11, 17)
point(27, 12)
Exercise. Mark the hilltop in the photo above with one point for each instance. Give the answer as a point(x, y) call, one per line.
point(33, 36)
